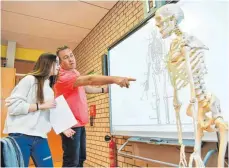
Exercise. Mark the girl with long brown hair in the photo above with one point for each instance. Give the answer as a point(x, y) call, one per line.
point(28, 111)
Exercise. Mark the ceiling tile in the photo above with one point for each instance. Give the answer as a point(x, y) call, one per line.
point(71, 12)
point(41, 28)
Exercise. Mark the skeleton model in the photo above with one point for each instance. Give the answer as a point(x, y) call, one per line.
point(156, 70)
point(186, 66)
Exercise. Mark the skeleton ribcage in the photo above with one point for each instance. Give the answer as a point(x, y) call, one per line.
point(177, 68)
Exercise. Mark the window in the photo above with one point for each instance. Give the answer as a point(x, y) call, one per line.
point(150, 6)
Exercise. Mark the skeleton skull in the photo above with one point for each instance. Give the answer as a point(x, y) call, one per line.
point(167, 18)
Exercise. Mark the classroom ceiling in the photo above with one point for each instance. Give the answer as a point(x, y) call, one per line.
point(45, 25)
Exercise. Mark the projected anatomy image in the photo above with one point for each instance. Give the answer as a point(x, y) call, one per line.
point(156, 77)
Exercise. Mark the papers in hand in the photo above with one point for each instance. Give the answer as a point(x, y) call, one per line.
point(61, 117)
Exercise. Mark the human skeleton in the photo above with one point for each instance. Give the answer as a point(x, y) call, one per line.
point(186, 66)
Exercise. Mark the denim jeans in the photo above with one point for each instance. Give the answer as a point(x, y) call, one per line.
point(36, 147)
point(74, 148)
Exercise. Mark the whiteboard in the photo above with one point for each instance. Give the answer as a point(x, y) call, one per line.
point(146, 108)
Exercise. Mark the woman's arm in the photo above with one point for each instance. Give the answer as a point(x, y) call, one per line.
point(17, 102)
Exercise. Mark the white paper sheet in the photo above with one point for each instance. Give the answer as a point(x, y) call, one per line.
point(61, 117)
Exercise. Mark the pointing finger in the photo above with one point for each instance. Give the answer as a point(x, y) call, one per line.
point(131, 79)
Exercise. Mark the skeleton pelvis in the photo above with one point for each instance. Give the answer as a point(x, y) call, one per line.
point(204, 106)
point(203, 120)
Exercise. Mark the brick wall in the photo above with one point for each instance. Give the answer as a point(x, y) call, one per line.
point(120, 20)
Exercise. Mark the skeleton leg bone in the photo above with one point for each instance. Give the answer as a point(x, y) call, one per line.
point(223, 132)
point(205, 123)
point(222, 128)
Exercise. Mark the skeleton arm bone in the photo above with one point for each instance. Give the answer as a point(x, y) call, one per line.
point(177, 105)
point(193, 101)
point(197, 130)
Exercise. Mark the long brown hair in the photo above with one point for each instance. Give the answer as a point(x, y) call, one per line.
point(41, 72)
